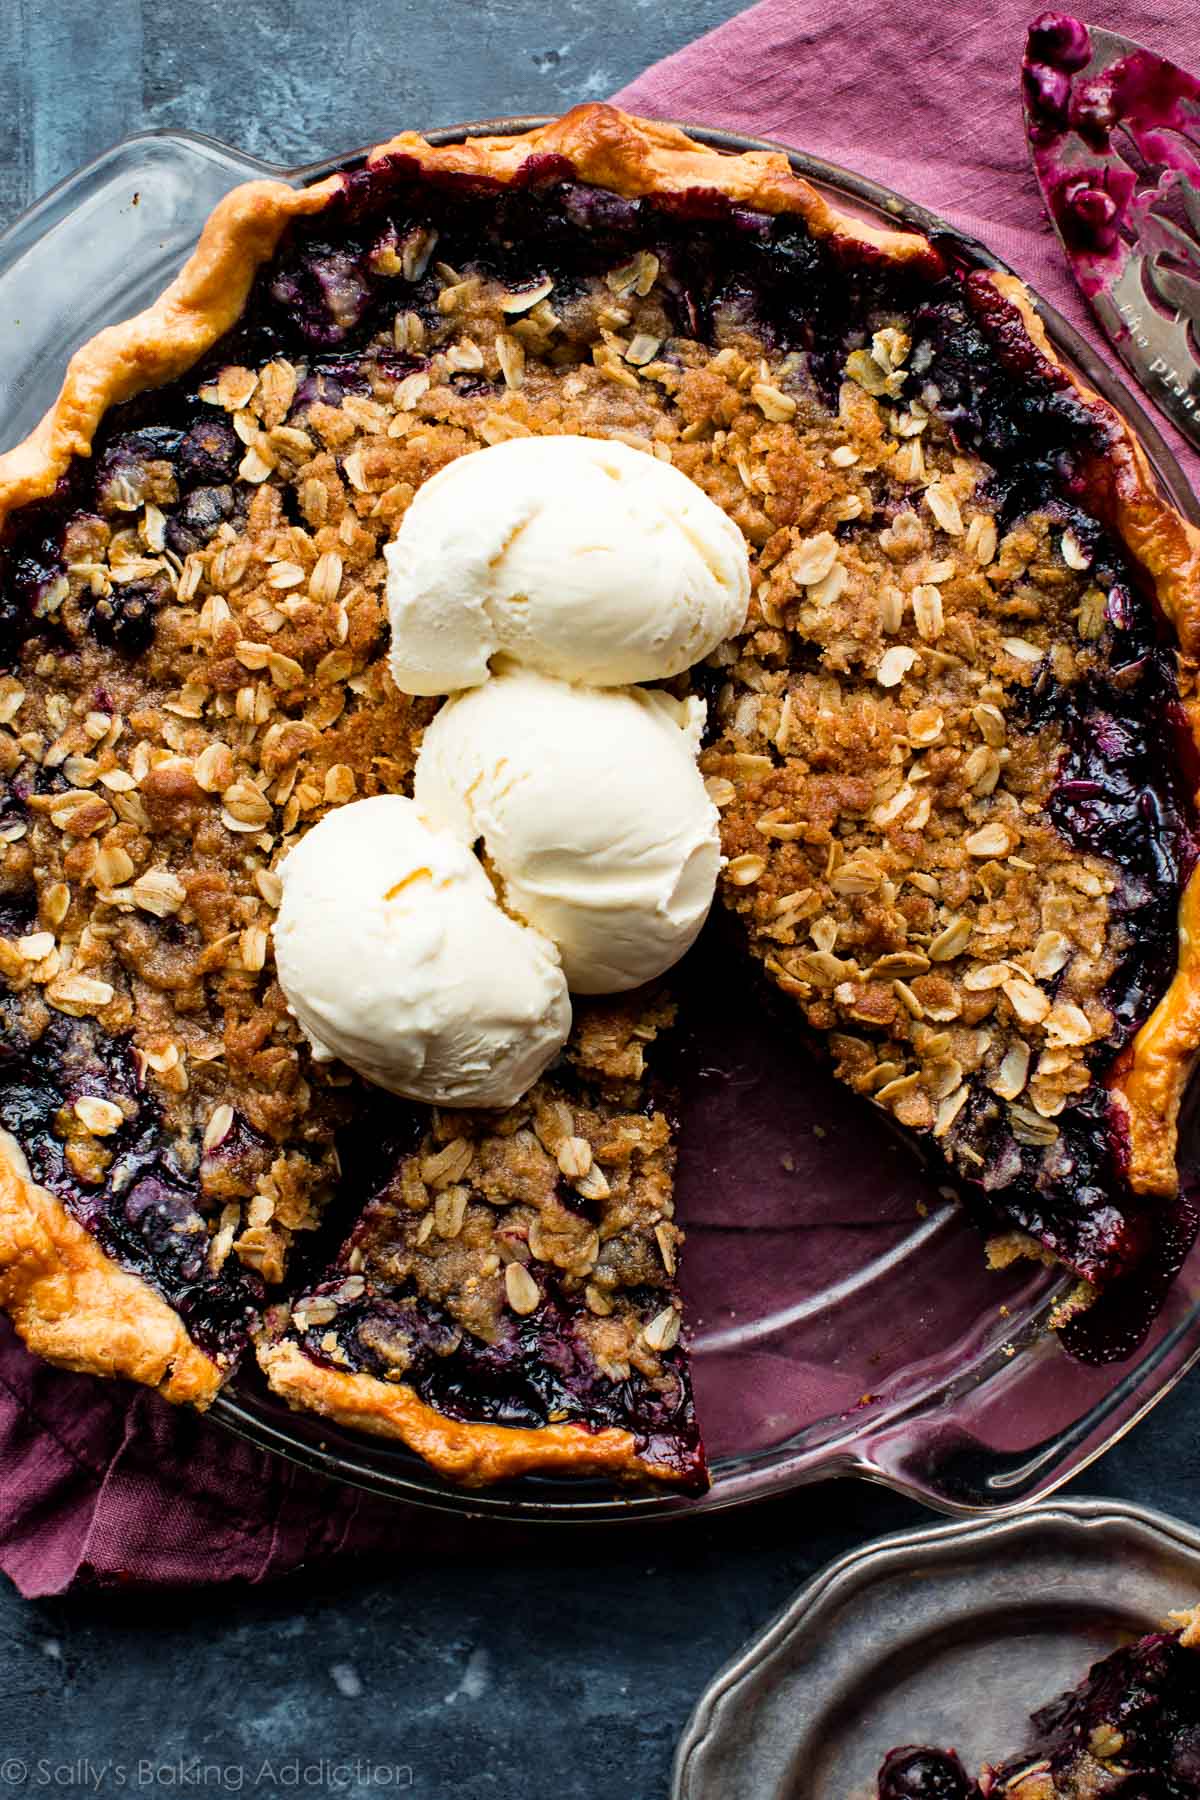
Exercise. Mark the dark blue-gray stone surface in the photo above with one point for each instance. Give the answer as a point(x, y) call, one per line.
point(552, 1667)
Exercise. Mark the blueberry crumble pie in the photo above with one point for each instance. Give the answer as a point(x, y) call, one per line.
point(516, 1270)
point(951, 749)
point(1130, 1729)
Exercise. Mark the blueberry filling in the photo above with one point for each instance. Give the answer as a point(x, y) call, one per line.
point(916, 1774)
point(1142, 1706)
point(199, 515)
point(18, 903)
point(31, 569)
point(209, 453)
point(536, 1373)
point(124, 619)
point(138, 1201)
point(1129, 1731)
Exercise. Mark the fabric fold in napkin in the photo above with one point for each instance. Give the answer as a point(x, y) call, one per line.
point(101, 1484)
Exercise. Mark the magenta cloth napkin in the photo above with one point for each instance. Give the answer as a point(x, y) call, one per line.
point(104, 1484)
point(101, 1485)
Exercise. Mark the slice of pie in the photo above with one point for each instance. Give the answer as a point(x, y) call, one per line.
point(516, 1272)
point(953, 751)
point(1131, 1728)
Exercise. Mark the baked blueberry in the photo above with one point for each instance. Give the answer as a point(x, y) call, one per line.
point(1131, 1729)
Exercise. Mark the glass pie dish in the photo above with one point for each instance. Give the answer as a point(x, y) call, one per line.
point(843, 1319)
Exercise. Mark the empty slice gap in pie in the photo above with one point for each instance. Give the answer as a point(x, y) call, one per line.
point(953, 751)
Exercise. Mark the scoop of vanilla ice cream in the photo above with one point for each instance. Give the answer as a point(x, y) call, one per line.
point(592, 811)
point(395, 956)
point(576, 556)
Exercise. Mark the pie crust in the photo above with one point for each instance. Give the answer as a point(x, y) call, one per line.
point(75, 1304)
point(471, 1454)
point(76, 1307)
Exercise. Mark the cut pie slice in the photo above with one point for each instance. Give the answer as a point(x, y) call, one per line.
point(508, 1300)
point(1131, 1727)
point(955, 761)
point(953, 750)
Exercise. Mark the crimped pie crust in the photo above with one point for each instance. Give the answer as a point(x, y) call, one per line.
point(471, 1454)
point(90, 1313)
point(603, 146)
point(75, 1306)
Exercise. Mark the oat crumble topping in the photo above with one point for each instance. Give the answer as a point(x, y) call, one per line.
point(543, 1236)
point(897, 744)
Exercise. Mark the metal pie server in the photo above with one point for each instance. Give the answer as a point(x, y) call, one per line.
point(1114, 133)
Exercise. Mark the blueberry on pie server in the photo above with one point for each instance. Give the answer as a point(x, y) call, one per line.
point(952, 750)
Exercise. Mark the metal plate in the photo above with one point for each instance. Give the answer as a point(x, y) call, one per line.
point(950, 1636)
point(833, 1330)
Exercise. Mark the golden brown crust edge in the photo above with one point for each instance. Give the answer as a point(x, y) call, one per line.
point(1149, 1080)
point(472, 1455)
point(76, 1307)
point(635, 157)
point(156, 345)
point(605, 146)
